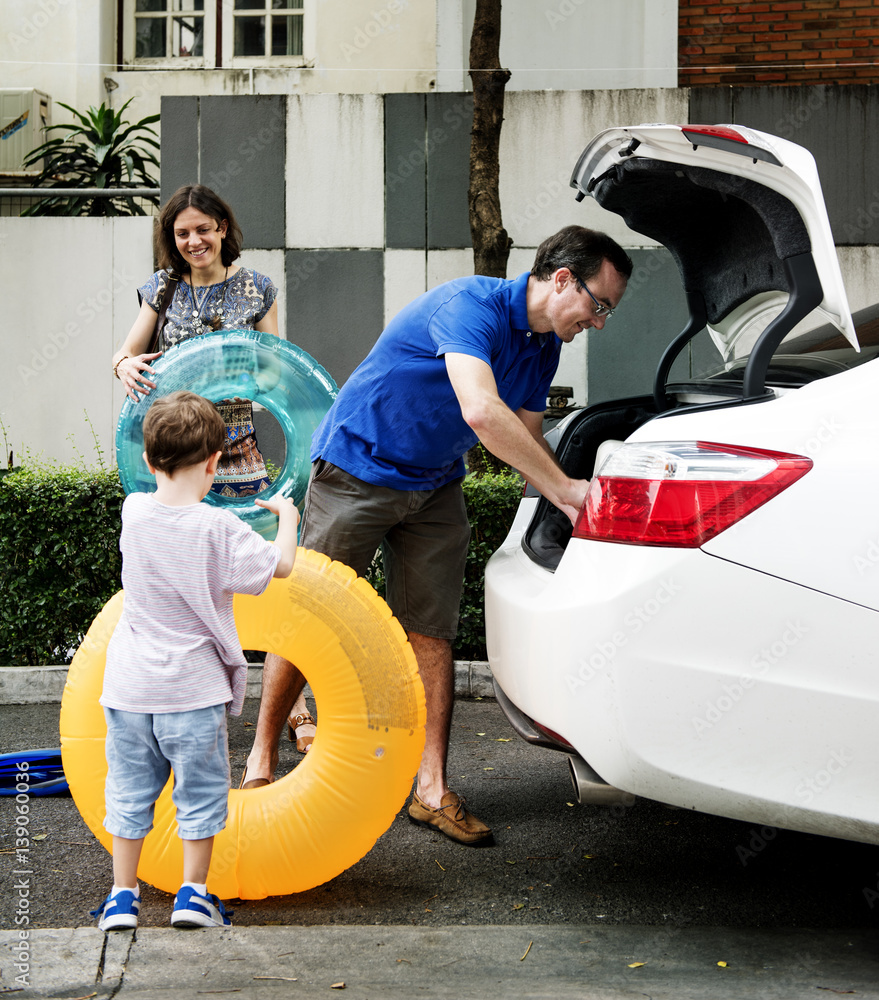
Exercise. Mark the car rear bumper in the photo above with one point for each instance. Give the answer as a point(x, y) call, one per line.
point(652, 663)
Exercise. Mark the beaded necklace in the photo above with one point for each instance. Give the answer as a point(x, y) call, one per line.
point(216, 320)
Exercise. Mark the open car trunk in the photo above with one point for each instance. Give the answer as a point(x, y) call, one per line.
point(743, 216)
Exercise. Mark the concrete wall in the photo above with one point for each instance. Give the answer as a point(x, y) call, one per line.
point(63, 318)
point(586, 44)
point(355, 204)
point(68, 49)
point(62, 47)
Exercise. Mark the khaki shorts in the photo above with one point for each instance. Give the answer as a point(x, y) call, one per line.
point(423, 535)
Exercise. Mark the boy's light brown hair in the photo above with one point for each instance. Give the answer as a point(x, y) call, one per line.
point(180, 430)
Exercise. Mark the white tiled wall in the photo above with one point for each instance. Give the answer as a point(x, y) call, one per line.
point(335, 171)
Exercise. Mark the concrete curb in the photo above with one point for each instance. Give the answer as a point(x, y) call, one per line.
point(551, 962)
point(41, 685)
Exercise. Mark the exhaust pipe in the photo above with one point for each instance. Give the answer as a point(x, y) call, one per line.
point(592, 790)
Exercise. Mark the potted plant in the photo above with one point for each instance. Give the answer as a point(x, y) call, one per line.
point(99, 150)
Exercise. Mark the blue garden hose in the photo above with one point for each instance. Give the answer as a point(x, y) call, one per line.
point(32, 772)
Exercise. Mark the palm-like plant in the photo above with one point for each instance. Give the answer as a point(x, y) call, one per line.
point(100, 150)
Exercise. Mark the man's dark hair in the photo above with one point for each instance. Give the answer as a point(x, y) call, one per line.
point(180, 430)
point(582, 251)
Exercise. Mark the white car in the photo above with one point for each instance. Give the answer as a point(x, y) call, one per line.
point(707, 636)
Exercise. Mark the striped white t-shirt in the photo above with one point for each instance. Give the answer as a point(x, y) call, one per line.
point(176, 647)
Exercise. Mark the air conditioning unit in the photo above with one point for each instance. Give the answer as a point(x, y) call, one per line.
point(23, 113)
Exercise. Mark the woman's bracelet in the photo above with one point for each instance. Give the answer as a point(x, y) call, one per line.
point(118, 363)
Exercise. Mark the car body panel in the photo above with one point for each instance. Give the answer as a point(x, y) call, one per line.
point(832, 421)
point(620, 654)
point(738, 678)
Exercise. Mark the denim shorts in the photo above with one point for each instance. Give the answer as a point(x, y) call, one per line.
point(423, 534)
point(141, 751)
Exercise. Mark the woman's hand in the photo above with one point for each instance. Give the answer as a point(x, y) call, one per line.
point(132, 373)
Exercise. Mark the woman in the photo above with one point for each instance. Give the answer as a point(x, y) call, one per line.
point(199, 239)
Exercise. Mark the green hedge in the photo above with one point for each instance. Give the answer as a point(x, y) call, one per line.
point(60, 562)
point(59, 558)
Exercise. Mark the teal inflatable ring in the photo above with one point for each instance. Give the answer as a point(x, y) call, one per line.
point(260, 367)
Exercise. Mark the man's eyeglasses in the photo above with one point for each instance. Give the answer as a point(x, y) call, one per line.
point(600, 308)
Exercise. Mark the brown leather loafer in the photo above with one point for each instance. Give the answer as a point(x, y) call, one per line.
point(452, 819)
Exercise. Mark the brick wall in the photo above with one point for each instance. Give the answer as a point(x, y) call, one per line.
point(788, 43)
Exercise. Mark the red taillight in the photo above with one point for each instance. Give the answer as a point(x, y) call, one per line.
point(718, 131)
point(681, 493)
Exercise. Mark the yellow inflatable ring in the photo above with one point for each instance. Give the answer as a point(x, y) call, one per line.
point(325, 815)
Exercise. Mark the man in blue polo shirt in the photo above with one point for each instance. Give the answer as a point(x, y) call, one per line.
point(471, 360)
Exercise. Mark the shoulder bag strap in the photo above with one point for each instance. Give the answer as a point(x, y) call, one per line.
point(167, 295)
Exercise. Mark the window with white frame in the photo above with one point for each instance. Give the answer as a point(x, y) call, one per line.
point(209, 34)
point(267, 28)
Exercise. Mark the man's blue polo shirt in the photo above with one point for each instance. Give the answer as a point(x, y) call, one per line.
point(397, 422)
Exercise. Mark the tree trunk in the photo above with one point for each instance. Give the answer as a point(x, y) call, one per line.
point(491, 243)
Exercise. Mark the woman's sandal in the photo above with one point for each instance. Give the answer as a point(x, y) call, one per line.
point(303, 743)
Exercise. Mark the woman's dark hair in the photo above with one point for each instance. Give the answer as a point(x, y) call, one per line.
point(200, 197)
point(582, 251)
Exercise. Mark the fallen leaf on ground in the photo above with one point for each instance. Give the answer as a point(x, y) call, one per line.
point(518, 906)
point(502, 740)
point(439, 864)
point(42, 836)
point(488, 769)
point(722, 965)
point(636, 965)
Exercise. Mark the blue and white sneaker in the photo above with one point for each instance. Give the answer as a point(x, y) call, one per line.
point(191, 909)
point(119, 912)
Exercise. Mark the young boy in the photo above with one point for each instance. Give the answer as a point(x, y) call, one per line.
point(174, 663)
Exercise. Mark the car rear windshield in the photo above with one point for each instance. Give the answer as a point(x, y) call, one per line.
point(803, 356)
